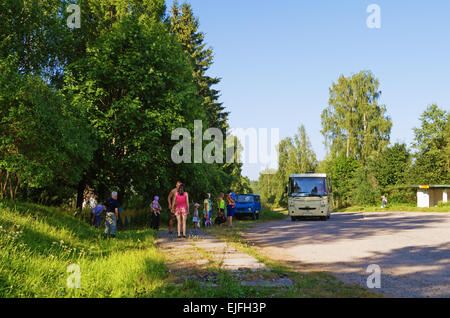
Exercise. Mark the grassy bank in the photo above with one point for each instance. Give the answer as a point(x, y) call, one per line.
point(38, 243)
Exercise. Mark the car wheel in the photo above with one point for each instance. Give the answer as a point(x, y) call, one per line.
point(323, 218)
point(293, 218)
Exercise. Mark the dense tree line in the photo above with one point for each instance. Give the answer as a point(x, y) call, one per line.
point(94, 107)
point(361, 161)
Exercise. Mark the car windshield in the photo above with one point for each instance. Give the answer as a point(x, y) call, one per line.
point(245, 199)
point(307, 186)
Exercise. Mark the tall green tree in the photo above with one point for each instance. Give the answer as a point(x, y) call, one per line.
point(295, 155)
point(354, 123)
point(33, 31)
point(137, 85)
point(447, 148)
point(391, 165)
point(343, 170)
point(430, 160)
point(45, 141)
point(185, 26)
point(268, 186)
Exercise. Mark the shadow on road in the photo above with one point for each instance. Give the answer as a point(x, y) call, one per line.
point(344, 226)
point(412, 250)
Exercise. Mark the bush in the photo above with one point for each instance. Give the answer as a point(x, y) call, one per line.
point(402, 195)
point(364, 191)
point(443, 204)
point(344, 172)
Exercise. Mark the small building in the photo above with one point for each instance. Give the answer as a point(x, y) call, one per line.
point(430, 195)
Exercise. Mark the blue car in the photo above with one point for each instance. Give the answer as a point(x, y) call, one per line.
point(248, 205)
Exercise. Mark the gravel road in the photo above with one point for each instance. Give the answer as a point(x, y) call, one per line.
point(412, 249)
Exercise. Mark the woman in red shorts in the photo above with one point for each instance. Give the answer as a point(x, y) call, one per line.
point(180, 205)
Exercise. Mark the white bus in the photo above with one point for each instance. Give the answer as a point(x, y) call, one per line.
point(309, 195)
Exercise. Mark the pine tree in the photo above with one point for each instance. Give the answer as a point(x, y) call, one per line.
point(185, 26)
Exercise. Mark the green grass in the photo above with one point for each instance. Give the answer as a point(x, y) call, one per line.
point(396, 208)
point(38, 243)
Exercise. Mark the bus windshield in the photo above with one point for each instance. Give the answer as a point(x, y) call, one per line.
point(306, 187)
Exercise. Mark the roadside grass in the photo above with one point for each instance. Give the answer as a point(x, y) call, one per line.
point(396, 208)
point(38, 243)
point(306, 284)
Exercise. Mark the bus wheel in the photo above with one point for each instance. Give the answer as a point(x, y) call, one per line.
point(293, 218)
point(323, 218)
point(254, 216)
point(257, 216)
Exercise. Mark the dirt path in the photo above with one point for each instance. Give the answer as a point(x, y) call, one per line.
point(216, 251)
point(412, 249)
point(200, 257)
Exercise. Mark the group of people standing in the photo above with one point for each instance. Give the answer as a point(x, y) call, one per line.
point(111, 206)
point(178, 205)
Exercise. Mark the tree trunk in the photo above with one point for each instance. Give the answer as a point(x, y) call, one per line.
point(348, 146)
point(5, 184)
point(80, 194)
point(11, 194)
point(17, 186)
point(1, 184)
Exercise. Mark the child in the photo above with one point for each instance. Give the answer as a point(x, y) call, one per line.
point(96, 212)
point(156, 209)
point(206, 210)
point(383, 201)
point(207, 220)
point(220, 220)
point(195, 219)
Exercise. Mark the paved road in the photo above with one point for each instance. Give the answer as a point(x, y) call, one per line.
point(412, 249)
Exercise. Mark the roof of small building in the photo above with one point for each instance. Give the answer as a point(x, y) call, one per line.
point(432, 186)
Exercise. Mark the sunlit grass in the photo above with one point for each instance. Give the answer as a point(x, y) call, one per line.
point(38, 243)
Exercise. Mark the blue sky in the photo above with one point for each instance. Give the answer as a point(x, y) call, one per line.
point(277, 59)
